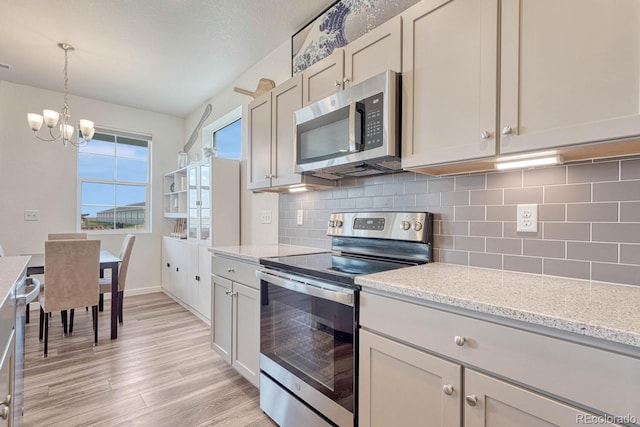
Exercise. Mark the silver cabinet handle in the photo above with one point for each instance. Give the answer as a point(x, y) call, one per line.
point(231, 270)
point(266, 177)
point(336, 83)
point(471, 399)
point(507, 130)
point(460, 340)
point(230, 293)
point(447, 389)
point(485, 135)
point(346, 80)
point(4, 414)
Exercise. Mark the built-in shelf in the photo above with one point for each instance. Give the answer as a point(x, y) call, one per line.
point(175, 189)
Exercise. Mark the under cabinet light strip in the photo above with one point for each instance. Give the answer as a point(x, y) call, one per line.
point(526, 163)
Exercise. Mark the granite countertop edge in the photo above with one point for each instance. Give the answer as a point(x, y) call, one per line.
point(253, 253)
point(588, 329)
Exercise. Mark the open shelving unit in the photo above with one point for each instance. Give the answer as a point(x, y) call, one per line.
point(176, 188)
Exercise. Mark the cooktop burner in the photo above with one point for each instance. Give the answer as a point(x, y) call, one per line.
point(339, 268)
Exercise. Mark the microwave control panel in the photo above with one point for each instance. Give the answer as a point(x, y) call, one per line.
point(373, 115)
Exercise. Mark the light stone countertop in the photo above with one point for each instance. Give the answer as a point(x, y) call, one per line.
point(594, 309)
point(11, 267)
point(253, 253)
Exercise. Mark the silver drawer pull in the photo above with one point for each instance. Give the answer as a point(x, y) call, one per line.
point(471, 399)
point(460, 340)
point(447, 389)
point(485, 135)
point(231, 270)
point(507, 130)
point(4, 414)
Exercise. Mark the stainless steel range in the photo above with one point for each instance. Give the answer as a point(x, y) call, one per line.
point(309, 314)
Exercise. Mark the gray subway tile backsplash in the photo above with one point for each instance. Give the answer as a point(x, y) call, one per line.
point(588, 216)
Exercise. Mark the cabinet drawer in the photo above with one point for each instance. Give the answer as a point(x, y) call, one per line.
point(234, 270)
point(589, 376)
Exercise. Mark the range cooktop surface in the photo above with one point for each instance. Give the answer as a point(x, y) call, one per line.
point(326, 265)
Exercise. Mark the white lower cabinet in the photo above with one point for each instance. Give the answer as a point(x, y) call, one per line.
point(402, 386)
point(235, 309)
point(446, 369)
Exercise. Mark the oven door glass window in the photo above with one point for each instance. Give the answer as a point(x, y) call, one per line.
point(312, 338)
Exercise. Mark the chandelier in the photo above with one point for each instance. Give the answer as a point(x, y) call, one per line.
point(50, 117)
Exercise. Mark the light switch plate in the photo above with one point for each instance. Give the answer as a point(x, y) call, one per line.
point(299, 217)
point(527, 220)
point(31, 215)
point(265, 217)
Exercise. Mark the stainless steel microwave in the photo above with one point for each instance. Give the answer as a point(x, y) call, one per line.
point(355, 132)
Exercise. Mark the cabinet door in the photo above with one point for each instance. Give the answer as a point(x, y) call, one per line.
point(570, 72)
point(324, 78)
point(190, 292)
point(167, 283)
point(449, 75)
point(493, 403)
point(246, 332)
point(221, 319)
point(203, 304)
point(373, 53)
point(204, 196)
point(400, 385)
point(259, 128)
point(285, 100)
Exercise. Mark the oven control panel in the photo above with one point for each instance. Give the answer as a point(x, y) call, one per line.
point(412, 226)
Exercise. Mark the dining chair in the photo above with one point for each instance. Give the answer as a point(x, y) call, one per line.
point(105, 283)
point(72, 269)
point(66, 236)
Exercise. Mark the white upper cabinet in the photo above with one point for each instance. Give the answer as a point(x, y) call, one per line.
point(259, 127)
point(449, 77)
point(375, 52)
point(570, 72)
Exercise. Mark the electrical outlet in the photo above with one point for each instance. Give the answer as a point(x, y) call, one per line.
point(299, 217)
point(266, 217)
point(31, 215)
point(527, 220)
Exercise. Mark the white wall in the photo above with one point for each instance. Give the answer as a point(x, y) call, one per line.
point(42, 175)
point(275, 66)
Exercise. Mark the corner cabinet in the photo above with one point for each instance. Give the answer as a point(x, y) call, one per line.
point(428, 375)
point(554, 81)
point(271, 161)
point(212, 210)
point(372, 53)
point(235, 304)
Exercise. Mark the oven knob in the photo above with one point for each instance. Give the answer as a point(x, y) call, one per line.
point(338, 223)
point(331, 223)
point(405, 225)
point(417, 226)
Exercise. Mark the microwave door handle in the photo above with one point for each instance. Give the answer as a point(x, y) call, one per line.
point(355, 126)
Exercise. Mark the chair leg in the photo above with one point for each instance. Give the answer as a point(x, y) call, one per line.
point(120, 301)
point(71, 321)
point(42, 316)
point(63, 313)
point(101, 303)
point(94, 310)
point(46, 335)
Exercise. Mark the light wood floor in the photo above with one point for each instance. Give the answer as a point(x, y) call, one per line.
point(161, 371)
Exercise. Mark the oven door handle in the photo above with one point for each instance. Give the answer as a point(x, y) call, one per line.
point(343, 297)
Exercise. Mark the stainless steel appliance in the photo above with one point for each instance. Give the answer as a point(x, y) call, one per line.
point(309, 314)
point(352, 133)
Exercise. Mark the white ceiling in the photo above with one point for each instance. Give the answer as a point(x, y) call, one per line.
point(167, 56)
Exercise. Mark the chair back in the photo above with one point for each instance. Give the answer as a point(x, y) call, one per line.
point(125, 256)
point(66, 236)
point(71, 274)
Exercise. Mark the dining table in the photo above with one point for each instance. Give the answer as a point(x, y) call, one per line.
point(108, 261)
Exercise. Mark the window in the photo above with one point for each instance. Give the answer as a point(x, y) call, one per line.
point(113, 180)
point(227, 141)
